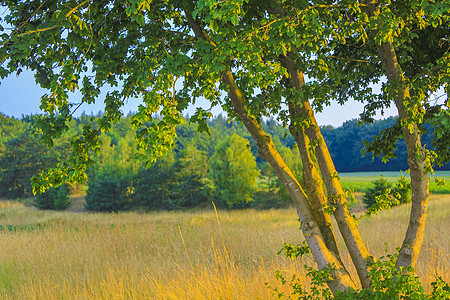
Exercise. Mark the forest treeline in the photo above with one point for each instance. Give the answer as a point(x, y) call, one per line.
point(223, 166)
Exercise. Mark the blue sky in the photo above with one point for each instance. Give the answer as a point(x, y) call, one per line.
point(21, 96)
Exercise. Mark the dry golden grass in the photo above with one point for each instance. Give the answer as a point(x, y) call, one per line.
point(178, 255)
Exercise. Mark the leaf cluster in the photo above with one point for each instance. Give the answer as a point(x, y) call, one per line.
point(388, 282)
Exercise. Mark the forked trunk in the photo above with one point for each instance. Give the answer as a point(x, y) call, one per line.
point(417, 155)
point(311, 231)
point(336, 197)
point(313, 184)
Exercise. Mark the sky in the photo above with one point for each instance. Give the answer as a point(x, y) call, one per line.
point(21, 96)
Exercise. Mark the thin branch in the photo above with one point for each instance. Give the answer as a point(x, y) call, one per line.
point(92, 34)
point(351, 59)
point(76, 8)
point(39, 30)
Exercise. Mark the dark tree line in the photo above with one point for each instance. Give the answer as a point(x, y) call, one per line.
point(346, 145)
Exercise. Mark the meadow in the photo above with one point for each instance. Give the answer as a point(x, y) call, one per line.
point(360, 181)
point(197, 254)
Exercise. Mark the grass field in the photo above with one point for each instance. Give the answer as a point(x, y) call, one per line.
point(360, 181)
point(179, 255)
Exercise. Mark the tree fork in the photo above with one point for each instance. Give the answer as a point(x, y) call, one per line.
point(358, 252)
point(417, 157)
point(322, 255)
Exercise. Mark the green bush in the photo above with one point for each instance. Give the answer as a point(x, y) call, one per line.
point(383, 190)
point(108, 191)
point(54, 198)
point(155, 188)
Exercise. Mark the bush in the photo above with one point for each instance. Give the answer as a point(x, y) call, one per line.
point(108, 192)
point(54, 198)
point(154, 188)
point(378, 188)
point(398, 194)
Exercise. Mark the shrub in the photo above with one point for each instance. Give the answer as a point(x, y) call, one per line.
point(378, 188)
point(154, 188)
point(106, 194)
point(400, 193)
point(108, 191)
point(54, 198)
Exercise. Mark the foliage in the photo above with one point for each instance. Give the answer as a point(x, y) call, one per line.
point(244, 56)
point(108, 191)
point(22, 158)
point(383, 194)
point(388, 282)
point(53, 198)
point(233, 172)
point(118, 144)
point(118, 59)
point(154, 185)
point(402, 190)
point(191, 174)
point(441, 125)
point(293, 252)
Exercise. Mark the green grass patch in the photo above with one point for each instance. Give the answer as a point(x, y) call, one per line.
point(360, 181)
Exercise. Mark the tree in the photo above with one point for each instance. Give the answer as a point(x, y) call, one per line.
point(233, 172)
point(111, 176)
point(415, 71)
point(54, 198)
point(155, 185)
point(256, 54)
point(22, 158)
point(107, 191)
point(191, 174)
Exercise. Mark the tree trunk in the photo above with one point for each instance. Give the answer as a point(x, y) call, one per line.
point(322, 255)
point(417, 155)
point(358, 252)
point(313, 182)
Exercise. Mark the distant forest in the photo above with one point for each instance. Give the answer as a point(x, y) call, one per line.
point(187, 174)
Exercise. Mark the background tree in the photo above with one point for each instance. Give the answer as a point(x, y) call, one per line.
point(111, 176)
point(54, 198)
point(233, 172)
point(21, 158)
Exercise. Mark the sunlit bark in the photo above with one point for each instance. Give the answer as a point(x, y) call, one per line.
point(417, 156)
point(358, 252)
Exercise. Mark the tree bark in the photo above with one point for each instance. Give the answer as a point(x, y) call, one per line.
point(358, 252)
point(417, 155)
point(311, 231)
point(313, 182)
